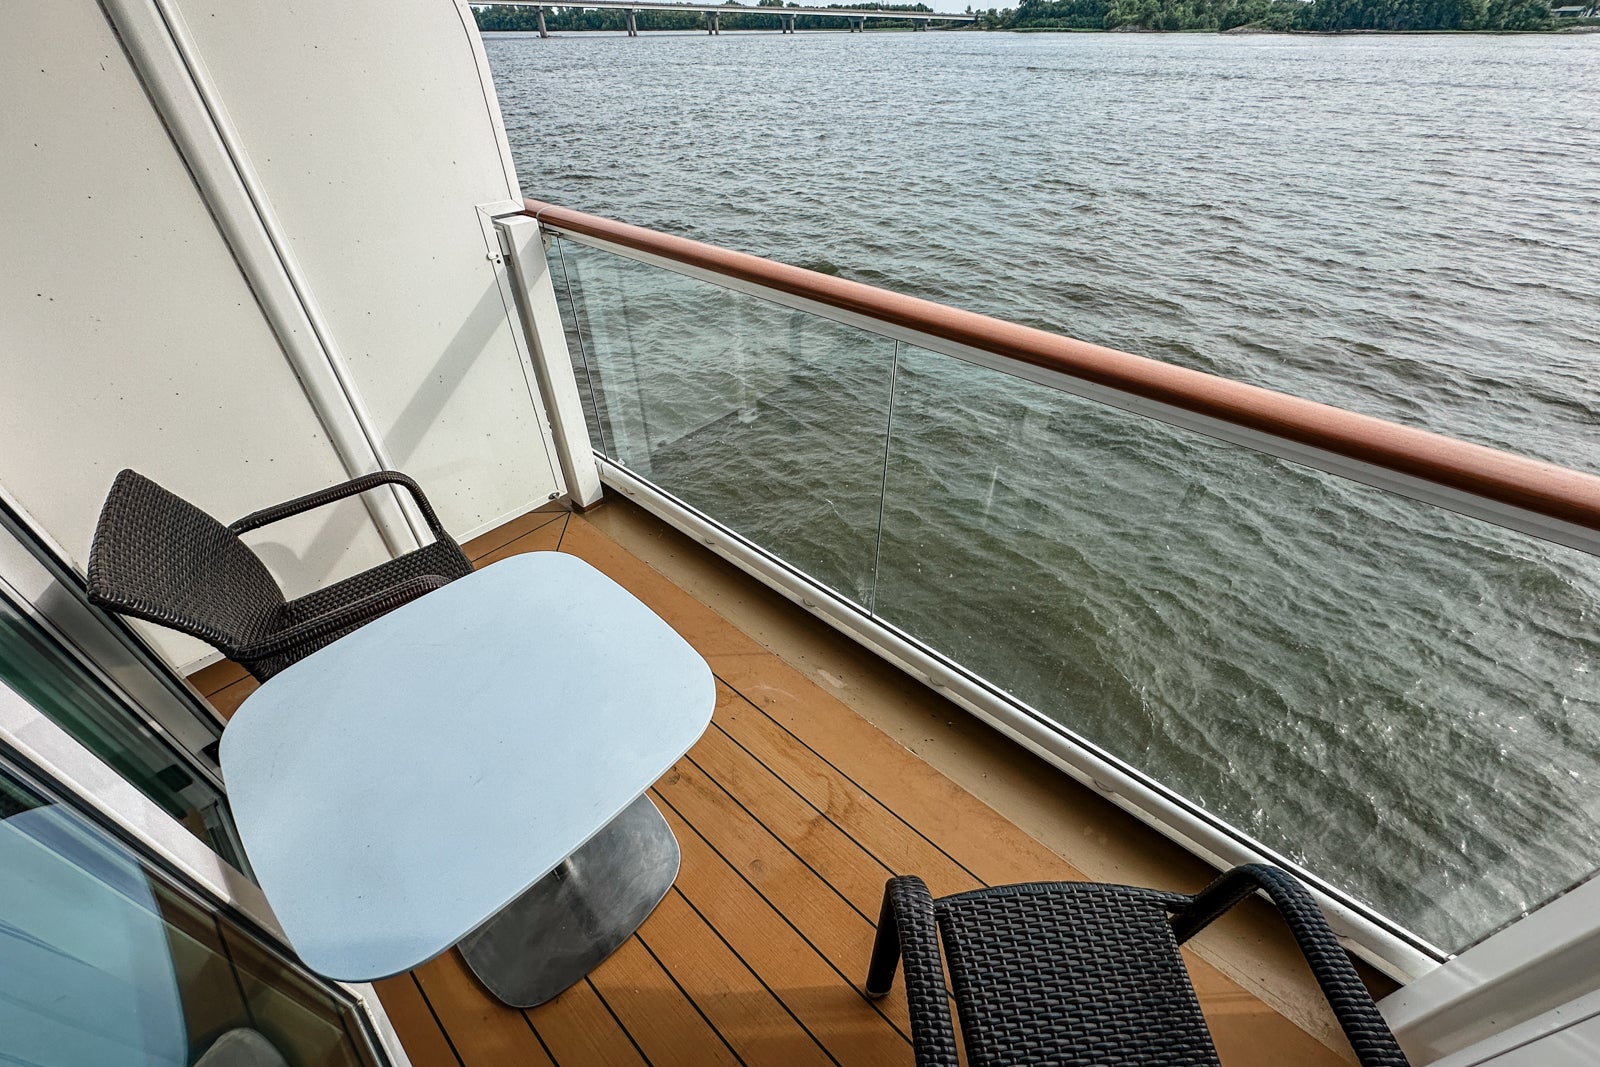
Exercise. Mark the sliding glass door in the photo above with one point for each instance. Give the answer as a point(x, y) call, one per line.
point(108, 960)
point(130, 933)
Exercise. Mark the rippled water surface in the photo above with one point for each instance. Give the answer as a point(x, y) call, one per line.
point(1402, 700)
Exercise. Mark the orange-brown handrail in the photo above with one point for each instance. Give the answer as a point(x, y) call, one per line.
point(1543, 488)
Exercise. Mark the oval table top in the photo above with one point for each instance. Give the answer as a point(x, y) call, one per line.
point(400, 786)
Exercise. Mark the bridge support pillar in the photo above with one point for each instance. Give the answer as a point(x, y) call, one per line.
point(919, 25)
point(539, 12)
point(858, 25)
point(633, 22)
point(713, 23)
point(787, 24)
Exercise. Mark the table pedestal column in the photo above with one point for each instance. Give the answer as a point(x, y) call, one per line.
point(579, 913)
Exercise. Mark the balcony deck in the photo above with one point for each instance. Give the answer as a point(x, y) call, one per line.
point(791, 812)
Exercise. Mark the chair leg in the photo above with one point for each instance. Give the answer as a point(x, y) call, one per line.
point(885, 950)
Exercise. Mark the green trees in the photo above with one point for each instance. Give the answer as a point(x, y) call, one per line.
point(1515, 15)
point(1328, 16)
point(1318, 15)
point(1157, 14)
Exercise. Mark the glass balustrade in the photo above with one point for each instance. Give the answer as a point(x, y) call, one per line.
point(767, 418)
point(1397, 698)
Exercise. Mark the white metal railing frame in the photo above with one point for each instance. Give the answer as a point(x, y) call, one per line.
point(1382, 942)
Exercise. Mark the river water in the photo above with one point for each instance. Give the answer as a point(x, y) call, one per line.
point(1403, 701)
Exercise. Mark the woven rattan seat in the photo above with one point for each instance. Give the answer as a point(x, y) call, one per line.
point(1077, 973)
point(159, 558)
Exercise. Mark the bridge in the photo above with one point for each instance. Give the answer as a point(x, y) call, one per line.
point(786, 15)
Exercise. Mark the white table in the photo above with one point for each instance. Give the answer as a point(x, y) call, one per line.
point(423, 774)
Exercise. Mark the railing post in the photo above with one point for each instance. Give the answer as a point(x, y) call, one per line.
point(552, 364)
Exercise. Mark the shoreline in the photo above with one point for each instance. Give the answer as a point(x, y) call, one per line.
point(1236, 31)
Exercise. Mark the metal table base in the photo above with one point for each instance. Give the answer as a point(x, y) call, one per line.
point(579, 913)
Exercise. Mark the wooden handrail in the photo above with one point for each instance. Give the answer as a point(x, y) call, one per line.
point(1542, 488)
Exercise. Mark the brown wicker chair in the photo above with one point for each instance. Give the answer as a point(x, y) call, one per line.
point(1080, 974)
point(157, 557)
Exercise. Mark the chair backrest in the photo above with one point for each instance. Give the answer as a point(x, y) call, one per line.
point(158, 557)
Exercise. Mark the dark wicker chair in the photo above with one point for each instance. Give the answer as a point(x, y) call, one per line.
point(1075, 973)
point(157, 557)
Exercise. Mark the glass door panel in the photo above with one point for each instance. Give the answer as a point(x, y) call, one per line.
point(108, 961)
point(40, 671)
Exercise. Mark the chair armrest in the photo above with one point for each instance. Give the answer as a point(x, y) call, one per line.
point(358, 611)
point(257, 519)
point(1369, 1035)
point(906, 928)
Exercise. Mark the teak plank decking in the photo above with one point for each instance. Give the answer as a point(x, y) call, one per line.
point(791, 812)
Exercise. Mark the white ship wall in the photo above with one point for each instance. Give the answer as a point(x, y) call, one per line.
point(134, 334)
point(373, 138)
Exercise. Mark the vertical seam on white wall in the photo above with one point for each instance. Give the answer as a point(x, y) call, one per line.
point(178, 29)
point(164, 55)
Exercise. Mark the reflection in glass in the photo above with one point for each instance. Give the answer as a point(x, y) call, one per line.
point(566, 299)
point(769, 419)
point(102, 961)
point(40, 672)
point(1396, 697)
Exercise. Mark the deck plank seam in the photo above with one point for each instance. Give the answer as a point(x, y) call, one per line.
point(537, 1036)
point(644, 935)
point(477, 561)
point(491, 549)
point(784, 844)
point(423, 993)
point(589, 981)
point(871, 920)
point(848, 981)
point(692, 1002)
point(879, 805)
point(761, 981)
point(566, 521)
point(842, 774)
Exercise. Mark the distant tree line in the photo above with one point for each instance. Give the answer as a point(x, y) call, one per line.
point(1282, 15)
point(733, 16)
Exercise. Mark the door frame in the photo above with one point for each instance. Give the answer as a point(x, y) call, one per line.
point(46, 751)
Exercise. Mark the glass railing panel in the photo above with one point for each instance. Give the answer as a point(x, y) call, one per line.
point(588, 394)
point(1400, 699)
point(768, 419)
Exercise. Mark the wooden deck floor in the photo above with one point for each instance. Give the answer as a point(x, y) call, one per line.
point(791, 813)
